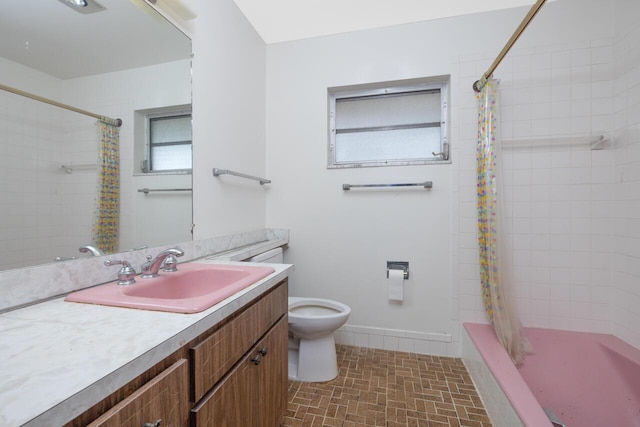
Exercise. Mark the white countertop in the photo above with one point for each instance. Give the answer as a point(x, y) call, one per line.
point(59, 358)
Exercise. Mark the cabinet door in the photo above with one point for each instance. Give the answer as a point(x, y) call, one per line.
point(272, 375)
point(165, 398)
point(231, 402)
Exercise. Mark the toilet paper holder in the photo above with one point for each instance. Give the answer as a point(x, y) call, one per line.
point(398, 265)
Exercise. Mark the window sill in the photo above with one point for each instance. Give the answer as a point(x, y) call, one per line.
point(388, 163)
point(160, 173)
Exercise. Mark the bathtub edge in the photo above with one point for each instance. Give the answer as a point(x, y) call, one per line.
point(495, 402)
point(501, 410)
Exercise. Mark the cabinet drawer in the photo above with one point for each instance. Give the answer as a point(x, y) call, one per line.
point(214, 356)
point(166, 398)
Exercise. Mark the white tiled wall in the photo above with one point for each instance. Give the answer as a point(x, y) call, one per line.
point(558, 191)
point(573, 213)
point(40, 208)
point(626, 207)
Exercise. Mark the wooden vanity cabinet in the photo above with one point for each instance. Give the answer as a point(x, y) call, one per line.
point(254, 392)
point(221, 378)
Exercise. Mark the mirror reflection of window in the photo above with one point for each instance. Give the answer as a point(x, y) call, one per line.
point(170, 143)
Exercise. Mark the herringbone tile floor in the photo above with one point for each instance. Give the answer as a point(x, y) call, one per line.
point(390, 389)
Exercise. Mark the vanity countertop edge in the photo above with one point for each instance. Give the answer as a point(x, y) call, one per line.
point(59, 358)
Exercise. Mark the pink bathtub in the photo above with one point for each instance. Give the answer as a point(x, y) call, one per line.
point(586, 380)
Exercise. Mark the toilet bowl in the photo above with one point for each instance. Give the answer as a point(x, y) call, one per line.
point(312, 322)
point(312, 348)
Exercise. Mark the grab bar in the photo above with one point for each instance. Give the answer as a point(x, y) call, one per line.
point(596, 142)
point(71, 167)
point(149, 190)
point(426, 184)
point(218, 172)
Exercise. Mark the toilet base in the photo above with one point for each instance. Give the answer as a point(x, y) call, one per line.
point(293, 364)
point(315, 360)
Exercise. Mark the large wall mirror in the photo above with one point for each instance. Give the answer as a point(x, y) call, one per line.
point(123, 61)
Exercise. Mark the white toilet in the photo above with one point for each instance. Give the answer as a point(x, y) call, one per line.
point(312, 322)
point(312, 348)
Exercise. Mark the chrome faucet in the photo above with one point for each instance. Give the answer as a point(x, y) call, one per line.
point(126, 275)
point(151, 267)
point(91, 249)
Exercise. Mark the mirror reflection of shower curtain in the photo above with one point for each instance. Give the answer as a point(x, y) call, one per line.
point(107, 214)
point(495, 263)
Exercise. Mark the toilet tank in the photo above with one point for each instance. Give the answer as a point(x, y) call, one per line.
point(273, 256)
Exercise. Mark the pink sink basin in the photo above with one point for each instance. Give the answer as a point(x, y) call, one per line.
point(193, 288)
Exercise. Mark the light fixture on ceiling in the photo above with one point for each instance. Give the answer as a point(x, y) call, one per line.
point(83, 6)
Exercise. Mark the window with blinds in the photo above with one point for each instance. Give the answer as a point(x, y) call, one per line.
point(401, 125)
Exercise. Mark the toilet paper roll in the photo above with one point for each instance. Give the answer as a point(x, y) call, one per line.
point(395, 285)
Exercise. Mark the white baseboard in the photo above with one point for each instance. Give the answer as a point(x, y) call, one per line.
point(433, 343)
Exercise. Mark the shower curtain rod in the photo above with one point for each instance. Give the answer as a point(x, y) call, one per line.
point(105, 119)
point(479, 84)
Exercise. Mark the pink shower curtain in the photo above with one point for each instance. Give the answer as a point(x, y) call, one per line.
point(495, 265)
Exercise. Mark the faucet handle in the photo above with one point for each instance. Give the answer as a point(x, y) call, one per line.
point(170, 264)
point(126, 275)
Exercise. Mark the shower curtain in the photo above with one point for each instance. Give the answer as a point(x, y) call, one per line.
point(495, 265)
point(107, 214)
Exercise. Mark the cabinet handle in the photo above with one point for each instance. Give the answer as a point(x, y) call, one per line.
point(256, 360)
point(263, 351)
point(156, 424)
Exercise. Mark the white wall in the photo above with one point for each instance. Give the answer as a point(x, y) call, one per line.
point(341, 241)
point(228, 119)
point(626, 228)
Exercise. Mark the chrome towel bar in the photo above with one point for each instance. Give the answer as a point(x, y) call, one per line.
point(218, 172)
point(426, 184)
point(596, 142)
point(69, 168)
point(151, 190)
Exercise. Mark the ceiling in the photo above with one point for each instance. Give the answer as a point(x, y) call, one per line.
point(50, 37)
point(285, 20)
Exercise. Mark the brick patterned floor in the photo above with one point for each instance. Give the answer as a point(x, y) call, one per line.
point(390, 389)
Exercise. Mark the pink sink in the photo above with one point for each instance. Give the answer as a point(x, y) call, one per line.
point(193, 288)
